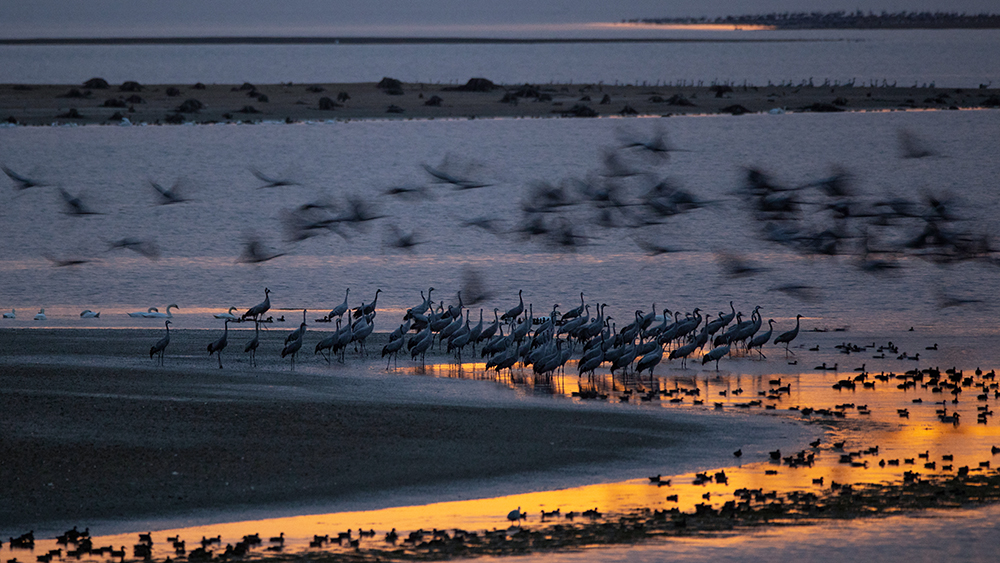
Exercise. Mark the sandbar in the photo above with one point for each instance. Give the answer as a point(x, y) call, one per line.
point(250, 103)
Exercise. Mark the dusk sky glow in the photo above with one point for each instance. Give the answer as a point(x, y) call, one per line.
point(102, 18)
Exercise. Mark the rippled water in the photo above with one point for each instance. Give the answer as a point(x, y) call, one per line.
point(201, 240)
point(950, 58)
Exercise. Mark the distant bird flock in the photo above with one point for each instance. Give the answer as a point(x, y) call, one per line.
point(544, 343)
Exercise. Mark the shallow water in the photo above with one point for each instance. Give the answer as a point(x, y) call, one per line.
point(200, 241)
point(897, 439)
point(948, 58)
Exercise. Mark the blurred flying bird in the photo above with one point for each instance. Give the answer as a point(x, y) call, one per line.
point(651, 248)
point(74, 205)
point(21, 182)
point(402, 240)
point(147, 248)
point(254, 252)
point(474, 287)
point(271, 182)
point(445, 173)
point(169, 195)
point(735, 266)
point(64, 262)
point(912, 146)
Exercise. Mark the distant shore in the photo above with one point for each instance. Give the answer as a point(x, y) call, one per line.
point(97, 103)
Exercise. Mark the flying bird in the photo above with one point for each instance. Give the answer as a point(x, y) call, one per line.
point(254, 252)
point(168, 195)
point(74, 205)
point(21, 182)
point(271, 182)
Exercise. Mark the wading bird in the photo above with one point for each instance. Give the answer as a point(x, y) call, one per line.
point(252, 346)
point(259, 309)
point(161, 344)
point(787, 337)
point(220, 344)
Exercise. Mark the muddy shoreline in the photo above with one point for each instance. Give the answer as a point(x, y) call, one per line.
point(95, 103)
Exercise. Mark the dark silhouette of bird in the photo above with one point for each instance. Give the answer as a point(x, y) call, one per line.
point(147, 248)
point(272, 182)
point(787, 337)
point(219, 345)
point(170, 195)
point(161, 344)
point(254, 252)
point(259, 309)
point(21, 182)
point(74, 205)
point(443, 173)
point(253, 344)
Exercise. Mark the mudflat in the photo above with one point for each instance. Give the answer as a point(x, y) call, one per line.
point(390, 99)
point(91, 430)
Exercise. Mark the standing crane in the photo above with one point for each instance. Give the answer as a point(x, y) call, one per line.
point(259, 309)
point(220, 344)
point(251, 346)
point(161, 344)
point(787, 337)
point(339, 310)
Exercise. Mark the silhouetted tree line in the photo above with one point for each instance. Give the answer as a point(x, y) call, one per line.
point(844, 20)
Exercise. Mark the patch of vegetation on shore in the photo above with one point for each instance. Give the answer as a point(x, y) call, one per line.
point(843, 20)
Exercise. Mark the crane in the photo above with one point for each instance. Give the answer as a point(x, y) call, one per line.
point(161, 344)
point(220, 344)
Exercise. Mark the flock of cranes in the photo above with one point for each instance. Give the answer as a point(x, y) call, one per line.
point(545, 343)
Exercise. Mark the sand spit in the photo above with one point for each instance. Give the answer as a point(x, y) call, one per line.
point(97, 102)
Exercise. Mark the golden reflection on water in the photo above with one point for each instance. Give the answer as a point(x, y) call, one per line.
point(684, 26)
point(878, 445)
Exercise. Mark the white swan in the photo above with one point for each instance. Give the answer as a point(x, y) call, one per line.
point(11, 315)
point(158, 315)
point(228, 315)
point(140, 314)
point(41, 315)
point(88, 314)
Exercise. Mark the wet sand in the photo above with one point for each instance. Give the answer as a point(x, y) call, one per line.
point(164, 103)
point(92, 431)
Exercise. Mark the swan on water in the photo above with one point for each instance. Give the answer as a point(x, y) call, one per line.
point(154, 314)
point(228, 315)
point(140, 314)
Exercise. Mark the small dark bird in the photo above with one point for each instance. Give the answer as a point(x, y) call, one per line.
point(271, 182)
point(170, 195)
point(74, 205)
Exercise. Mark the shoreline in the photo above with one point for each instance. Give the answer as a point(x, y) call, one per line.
point(158, 104)
point(98, 434)
point(203, 450)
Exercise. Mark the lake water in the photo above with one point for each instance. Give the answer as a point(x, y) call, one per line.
point(950, 58)
point(200, 241)
point(719, 250)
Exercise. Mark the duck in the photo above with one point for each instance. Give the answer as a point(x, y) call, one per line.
point(11, 315)
point(155, 314)
point(41, 315)
point(88, 314)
